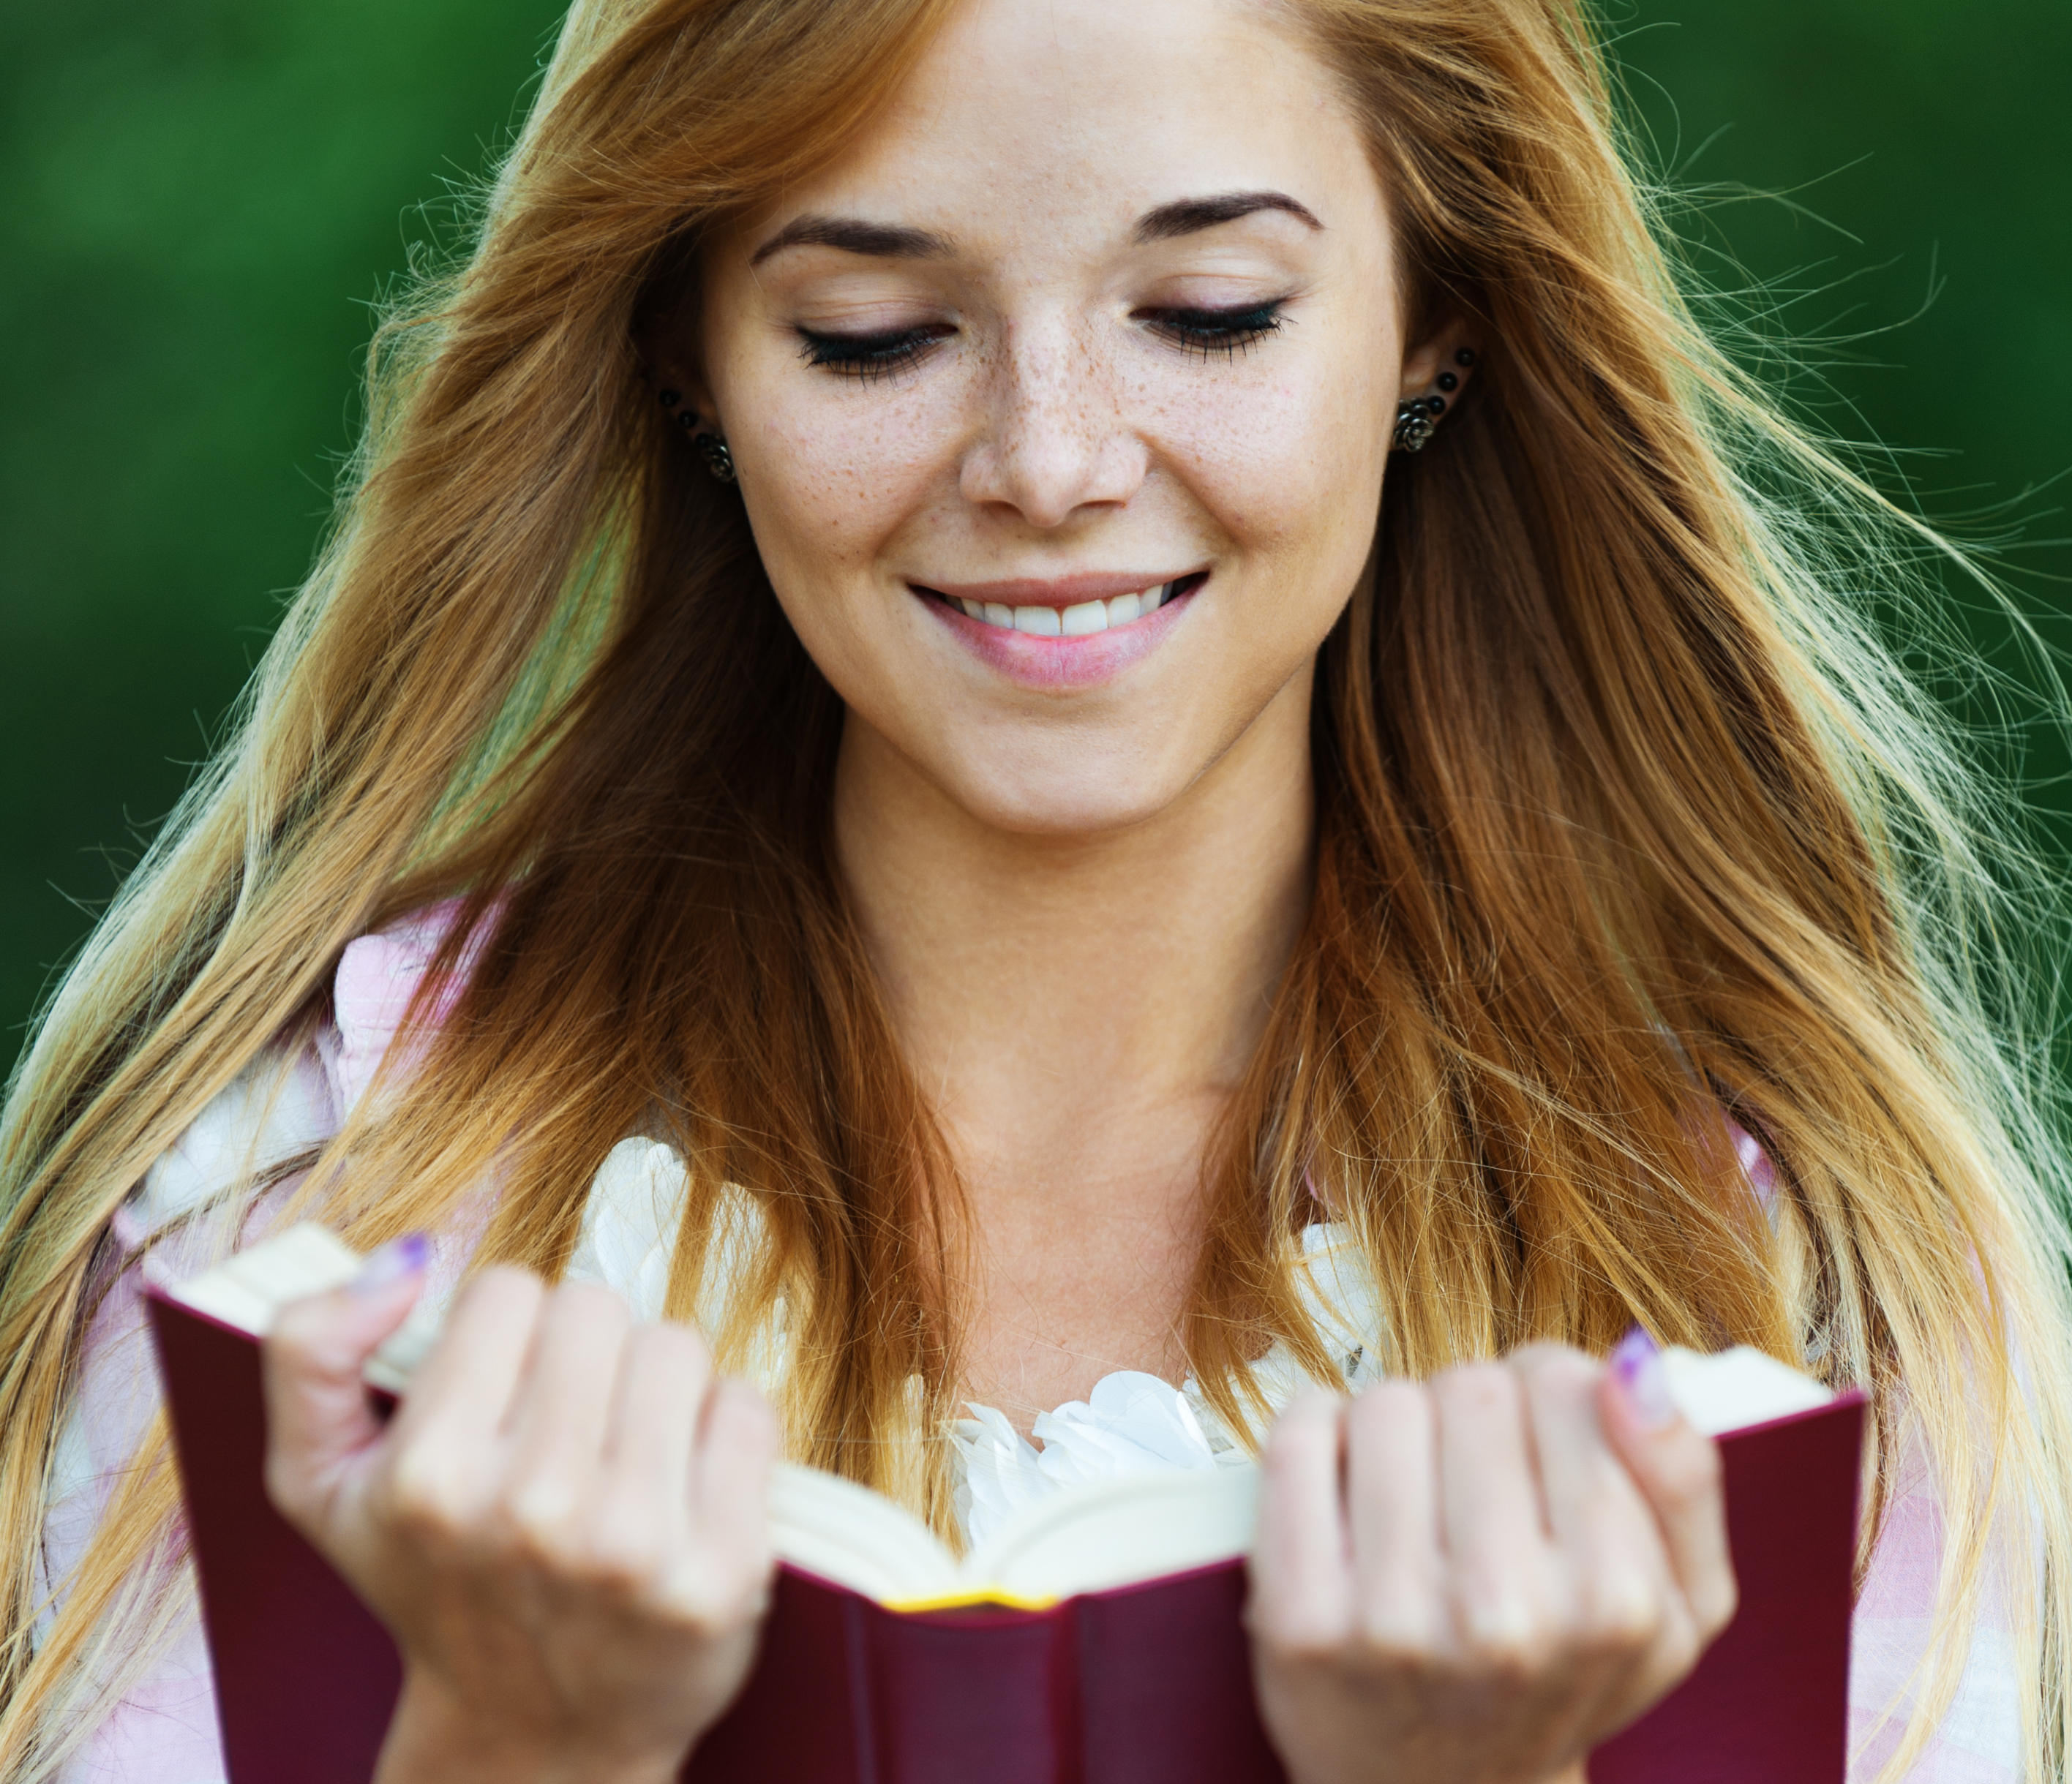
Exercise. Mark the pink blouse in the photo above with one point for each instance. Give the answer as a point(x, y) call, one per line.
point(163, 1730)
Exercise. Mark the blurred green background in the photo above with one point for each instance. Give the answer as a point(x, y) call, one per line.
point(198, 198)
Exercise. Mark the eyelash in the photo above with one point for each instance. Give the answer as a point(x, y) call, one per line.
point(871, 356)
point(1210, 332)
point(1207, 332)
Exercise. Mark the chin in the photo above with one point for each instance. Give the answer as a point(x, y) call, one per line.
point(1082, 803)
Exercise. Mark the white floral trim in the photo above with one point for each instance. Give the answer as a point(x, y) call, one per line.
point(1136, 1424)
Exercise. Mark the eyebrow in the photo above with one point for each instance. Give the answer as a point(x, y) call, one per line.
point(880, 240)
point(897, 242)
point(1184, 216)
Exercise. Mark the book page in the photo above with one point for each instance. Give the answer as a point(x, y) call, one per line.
point(1732, 1389)
point(250, 1289)
point(858, 1538)
point(1116, 1533)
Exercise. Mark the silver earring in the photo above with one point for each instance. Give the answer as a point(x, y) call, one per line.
point(718, 460)
point(1417, 421)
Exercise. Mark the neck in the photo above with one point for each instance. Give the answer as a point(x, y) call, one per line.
point(1077, 1010)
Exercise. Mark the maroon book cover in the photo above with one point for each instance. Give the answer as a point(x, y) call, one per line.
point(1146, 1684)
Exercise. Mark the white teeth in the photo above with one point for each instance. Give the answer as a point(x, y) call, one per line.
point(1043, 621)
point(1076, 622)
point(1071, 622)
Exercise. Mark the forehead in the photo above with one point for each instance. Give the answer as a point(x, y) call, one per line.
point(1070, 119)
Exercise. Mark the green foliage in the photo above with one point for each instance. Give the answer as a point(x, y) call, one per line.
point(202, 198)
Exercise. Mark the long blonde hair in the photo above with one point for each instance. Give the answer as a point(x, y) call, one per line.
point(1625, 816)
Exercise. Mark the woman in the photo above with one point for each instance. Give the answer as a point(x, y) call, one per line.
point(904, 810)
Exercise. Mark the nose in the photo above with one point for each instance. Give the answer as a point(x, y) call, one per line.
point(1053, 442)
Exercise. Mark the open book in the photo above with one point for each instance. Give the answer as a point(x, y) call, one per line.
point(1098, 1640)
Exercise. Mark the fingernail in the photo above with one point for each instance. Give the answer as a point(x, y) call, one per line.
point(1637, 1363)
point(407, 1256)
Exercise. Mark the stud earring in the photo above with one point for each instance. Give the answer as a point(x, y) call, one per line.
point(718, 460)
point(1416, 422)
point(670, 399)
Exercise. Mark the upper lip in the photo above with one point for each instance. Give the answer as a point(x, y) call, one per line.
point(1057, 591)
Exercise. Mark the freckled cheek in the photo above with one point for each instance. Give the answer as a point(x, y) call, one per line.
point(849, 474)
point(1288, 467)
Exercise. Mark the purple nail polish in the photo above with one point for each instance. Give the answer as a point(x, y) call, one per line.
point(407, 1256)
point(1637, 1363)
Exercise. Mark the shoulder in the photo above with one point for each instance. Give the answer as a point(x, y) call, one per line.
point(378, 981)
point(299, 1091)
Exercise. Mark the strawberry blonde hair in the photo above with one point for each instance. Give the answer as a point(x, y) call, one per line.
point(1624, 817)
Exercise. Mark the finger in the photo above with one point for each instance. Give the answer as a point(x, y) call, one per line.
point(662, 1385)
point(735, 1448)
point(1612, 1570)
point(319, 1418)
point(1302, 1591)
point(1492, 1524)
point(463, 1388)
point(1593, 1505)
point(1677, 1470)
point(1392, 1513)
point(562, 1407)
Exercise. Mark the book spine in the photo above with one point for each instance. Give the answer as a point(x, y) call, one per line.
point(1165, 1684)
point(306, 1678)
point(1768, 1703)
point(982, 1693)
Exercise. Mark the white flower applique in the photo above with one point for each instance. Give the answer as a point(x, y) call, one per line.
point(1135, 1424)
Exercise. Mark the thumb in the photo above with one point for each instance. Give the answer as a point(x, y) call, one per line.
point(1678, 1470)
point(318, 1420)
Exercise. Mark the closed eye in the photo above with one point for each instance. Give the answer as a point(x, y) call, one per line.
point(869, 356)
point(1209, 332)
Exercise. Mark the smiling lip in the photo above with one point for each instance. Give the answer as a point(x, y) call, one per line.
point(1072, 647)
point(1060, 591)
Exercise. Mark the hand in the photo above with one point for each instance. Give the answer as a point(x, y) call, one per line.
point(563, 1525)
point(1476, 1579)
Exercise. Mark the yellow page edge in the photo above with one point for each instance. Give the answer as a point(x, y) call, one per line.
point(966, 1600)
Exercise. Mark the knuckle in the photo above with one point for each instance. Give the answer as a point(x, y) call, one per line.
point(590, 1304)
point(1308, 1426)
point(1299, 1628)
point(1387, 1640)
point(1715, 1603)
point(1504, 1635)
point(288, 1489)
point(717, 1602)
point(504, 1286)
point(624, 1549)
point(1623, 1618)
point(1556, 1369)
point(1390, 1402)
point(675, 1345)
point(1481, 1387)
point(1544, 1355)
point(540, 1522)
point(1300, 1638)
point(427, 1507)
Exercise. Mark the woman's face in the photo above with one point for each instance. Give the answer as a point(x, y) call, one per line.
point(1061, 404)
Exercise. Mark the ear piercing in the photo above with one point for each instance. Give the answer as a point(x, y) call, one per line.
point(718, 460)
point(1414, 422)
point(1417, 419)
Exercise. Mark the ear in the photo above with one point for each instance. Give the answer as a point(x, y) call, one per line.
point(1438, 368)
point(664, 341)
